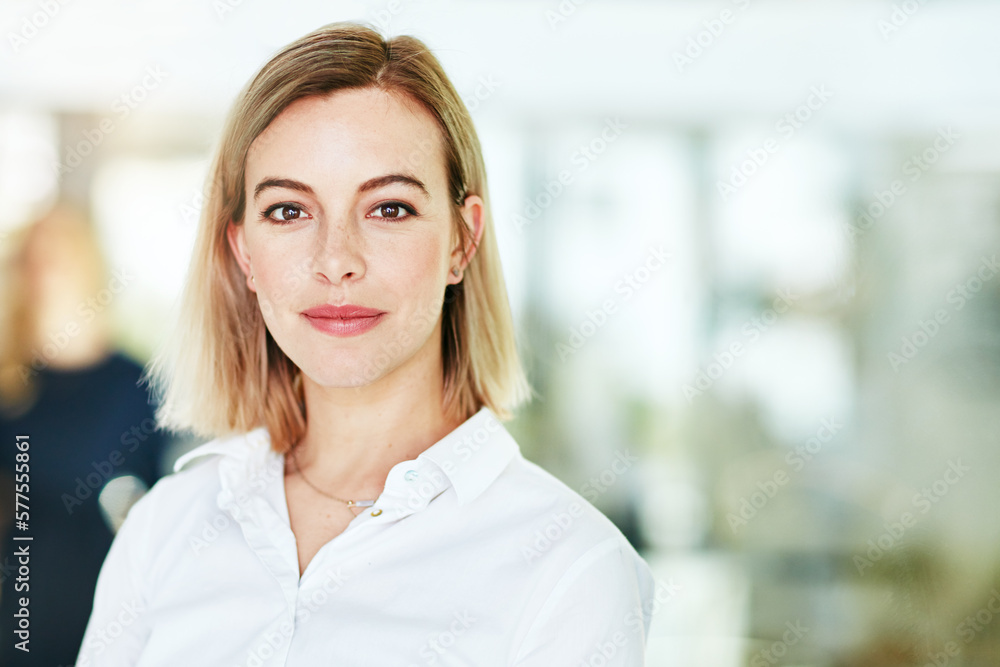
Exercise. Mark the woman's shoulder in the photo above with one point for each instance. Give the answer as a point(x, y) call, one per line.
point(576, 557)
point(559, 517)
point(195, 481)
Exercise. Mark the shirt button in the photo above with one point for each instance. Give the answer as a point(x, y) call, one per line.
point(410, 475)
point(376, 512)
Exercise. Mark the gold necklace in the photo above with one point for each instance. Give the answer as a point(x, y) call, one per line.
point(350, 503)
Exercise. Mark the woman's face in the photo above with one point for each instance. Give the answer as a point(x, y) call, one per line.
point(348, 205)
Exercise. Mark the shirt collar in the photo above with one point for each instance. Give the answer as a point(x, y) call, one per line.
point(471, 457)
point(242, 446)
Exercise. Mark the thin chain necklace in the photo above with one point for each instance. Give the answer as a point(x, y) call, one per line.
point(350, 503)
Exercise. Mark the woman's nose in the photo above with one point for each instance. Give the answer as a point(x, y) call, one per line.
point(339, 253)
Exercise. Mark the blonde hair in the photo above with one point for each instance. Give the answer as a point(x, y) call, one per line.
point(222, 372)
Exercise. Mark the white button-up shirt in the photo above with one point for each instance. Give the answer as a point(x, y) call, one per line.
point(472, 555)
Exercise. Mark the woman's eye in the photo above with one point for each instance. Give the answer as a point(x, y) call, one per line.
point(393, 211)
point(283, 213)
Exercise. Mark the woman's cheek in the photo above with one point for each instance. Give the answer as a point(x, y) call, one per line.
point(279, 271)
point(276, 282)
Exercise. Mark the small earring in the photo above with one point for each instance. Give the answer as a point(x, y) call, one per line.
point(454, 271)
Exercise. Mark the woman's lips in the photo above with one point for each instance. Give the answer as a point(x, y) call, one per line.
point(343, 321)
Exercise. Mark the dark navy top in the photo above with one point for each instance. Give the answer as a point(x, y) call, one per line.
point(86, 426)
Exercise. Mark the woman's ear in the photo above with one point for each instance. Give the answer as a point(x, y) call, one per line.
point(472, 214)
point(237, 243)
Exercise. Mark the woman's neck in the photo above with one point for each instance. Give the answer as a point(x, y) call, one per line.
point(356, 435)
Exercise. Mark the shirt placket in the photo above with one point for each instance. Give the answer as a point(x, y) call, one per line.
point(410, 487)
point(266, 532)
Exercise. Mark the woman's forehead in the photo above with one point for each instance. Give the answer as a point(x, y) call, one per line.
point(365, 130)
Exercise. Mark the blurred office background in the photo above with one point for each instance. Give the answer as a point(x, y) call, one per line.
point(751, 251)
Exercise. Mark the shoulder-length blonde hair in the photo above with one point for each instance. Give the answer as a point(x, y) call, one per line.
point(221, 372)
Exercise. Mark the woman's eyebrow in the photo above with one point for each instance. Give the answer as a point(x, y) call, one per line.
point(281, 183)
point(381, 181)
point(370, 184)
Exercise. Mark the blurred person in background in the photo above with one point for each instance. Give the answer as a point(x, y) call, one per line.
point(93, 443)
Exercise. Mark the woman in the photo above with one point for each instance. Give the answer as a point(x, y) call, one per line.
point(89, 430)
point(345, 336)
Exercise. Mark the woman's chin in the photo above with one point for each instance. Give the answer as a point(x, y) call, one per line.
point(344, 373)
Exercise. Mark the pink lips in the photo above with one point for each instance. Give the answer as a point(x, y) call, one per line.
point(346, 320)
